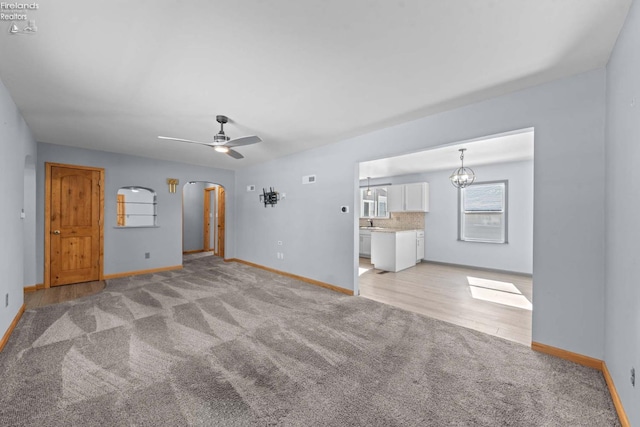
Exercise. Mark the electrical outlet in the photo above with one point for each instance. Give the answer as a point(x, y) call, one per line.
point(633, 376)
point(6, 300)
point(147, 255)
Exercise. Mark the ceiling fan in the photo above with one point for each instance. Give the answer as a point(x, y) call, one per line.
point(221, 142)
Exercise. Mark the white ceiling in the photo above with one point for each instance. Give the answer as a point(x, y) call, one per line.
point(113, 75)
point(511, 147)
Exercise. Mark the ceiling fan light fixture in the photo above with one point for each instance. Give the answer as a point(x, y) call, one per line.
point(462, 177)
point(221, 142)
point(220, 138)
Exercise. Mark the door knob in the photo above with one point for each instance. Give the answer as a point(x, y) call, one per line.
point(56, 231)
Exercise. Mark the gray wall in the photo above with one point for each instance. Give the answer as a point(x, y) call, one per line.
point(193, 208)
point(568, 251)
point(441, 222)
point(29, 223)
point(622, 206)
point(441, 233)
point(317, 239)
point(124, 248)
point(17, 245)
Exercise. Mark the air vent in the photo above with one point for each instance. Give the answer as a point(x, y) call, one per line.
point(309, 179)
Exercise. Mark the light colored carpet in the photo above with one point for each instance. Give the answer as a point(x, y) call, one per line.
point(226, 344)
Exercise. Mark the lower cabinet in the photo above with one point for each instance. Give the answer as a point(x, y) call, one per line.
point(365, 243)
point(419, 245)
point(393, 251)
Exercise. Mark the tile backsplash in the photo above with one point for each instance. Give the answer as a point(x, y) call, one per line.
point(398, 220)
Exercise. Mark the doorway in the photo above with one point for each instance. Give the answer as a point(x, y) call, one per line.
point(74, 230)
point(475, 266)
point(203, 218)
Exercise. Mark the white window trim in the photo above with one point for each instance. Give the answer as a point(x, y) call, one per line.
point(506, 213)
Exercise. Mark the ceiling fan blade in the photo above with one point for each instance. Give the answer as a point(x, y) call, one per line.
point(245, 140)
point(185, 140)
point(235, 154)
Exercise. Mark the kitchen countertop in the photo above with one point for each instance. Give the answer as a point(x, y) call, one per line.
point(389, 230)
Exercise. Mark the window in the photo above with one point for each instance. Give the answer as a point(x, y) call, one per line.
point(373, 205)
point(483, 212)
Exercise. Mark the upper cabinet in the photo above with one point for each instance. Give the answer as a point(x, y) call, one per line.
point(409, 197)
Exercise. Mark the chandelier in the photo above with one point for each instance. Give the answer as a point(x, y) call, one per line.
point(462, 177)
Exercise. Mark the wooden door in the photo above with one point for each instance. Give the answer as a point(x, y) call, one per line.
point(221, 204)
point(73, 225)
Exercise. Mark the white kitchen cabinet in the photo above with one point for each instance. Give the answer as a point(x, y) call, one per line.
point(409, 197)
point(419, 245)
point(393, 250)
point(395, 198)
point(365, 243)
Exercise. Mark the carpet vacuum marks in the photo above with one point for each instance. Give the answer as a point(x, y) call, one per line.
point(225, 344)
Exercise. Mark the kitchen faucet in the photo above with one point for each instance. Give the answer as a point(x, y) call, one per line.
point(370, 222)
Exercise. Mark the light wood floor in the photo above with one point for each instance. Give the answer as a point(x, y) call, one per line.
point(488, 302)
point(58, 294)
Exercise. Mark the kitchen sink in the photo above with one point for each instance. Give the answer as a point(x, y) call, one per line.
point(371, 228)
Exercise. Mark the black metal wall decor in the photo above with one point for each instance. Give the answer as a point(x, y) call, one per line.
point(270, 197)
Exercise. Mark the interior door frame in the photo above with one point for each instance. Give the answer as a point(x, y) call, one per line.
point(47, 218)
point(221, 206)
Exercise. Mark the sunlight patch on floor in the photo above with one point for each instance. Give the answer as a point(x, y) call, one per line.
point(504, 293)
point(362, 270)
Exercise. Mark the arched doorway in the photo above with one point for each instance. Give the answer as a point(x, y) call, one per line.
point(203, 208)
